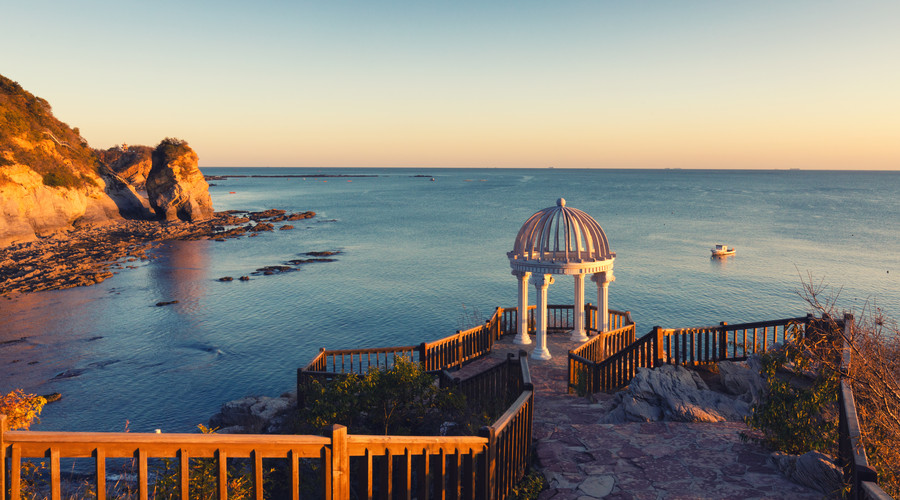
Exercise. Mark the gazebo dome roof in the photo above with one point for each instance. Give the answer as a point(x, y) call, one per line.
point(560, 240)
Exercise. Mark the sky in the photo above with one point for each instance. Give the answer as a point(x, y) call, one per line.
point(762, 84)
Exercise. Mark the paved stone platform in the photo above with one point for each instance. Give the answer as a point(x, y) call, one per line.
point(585, 460)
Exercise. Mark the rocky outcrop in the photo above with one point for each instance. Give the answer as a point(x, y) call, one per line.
point(673, 393)
point(256, 415)
point(131, 163)
point(175, 186)
point(51, 180)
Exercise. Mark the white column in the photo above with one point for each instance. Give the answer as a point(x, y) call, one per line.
point(541, 282)
point(578, 334)
point(522, 337)
point(603, 280)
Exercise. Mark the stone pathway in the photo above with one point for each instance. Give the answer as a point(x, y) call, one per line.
point(584, 460)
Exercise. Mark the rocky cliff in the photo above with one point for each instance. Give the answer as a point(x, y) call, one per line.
point(176, 188)
point(131, 163)
point(51, 180)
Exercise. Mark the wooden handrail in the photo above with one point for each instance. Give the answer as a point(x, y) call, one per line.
point(462, 464)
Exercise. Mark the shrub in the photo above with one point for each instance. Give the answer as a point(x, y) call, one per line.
point(21, 409)
point(169, 149)
point(402, 400)
point(797, 413)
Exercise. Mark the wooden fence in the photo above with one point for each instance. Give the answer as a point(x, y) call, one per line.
point(852, 457)
point(486, 466)
point(601, 367)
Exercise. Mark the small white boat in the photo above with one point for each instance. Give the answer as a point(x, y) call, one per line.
point(722, 250)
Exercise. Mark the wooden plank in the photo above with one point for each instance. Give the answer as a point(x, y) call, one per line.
point(257, 476)
point(143, 480)
point(424, 474)
point(55, 480)
point(222, 474)
point(125, 445)
point(453, 476)
point(15, 471)
point(184, 474)
point(407, 475)
point(440, 479)
point(387, 477)
point(340, 463)
point(295, 474)
point(100, 472)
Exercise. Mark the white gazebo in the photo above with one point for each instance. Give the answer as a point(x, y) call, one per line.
point(560, 240)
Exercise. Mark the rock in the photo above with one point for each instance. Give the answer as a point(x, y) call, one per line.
point(129, 203)
point(286, 227)
point(166, 303)
point(812, 469)
point(673, 393)
point(244, 278)
point(255, 414)
point(743, 379)
point(598, 486)
point(52, 397)
point(175, 185)
point(131, 163)
point(226, 278)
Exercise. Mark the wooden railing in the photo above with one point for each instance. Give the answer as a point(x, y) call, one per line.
point(593, 368)
point(475, 467)
point(501, 383)
point(381, 464)
point(862, 478)
point(582, 359)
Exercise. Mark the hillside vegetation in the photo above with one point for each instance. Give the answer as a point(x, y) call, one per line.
point(30, 135)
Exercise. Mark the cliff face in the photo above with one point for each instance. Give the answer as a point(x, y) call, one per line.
point(50, 179)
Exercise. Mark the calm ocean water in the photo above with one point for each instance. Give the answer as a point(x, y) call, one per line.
point(422, 259)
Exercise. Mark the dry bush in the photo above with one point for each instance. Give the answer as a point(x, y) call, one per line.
point(874, 376)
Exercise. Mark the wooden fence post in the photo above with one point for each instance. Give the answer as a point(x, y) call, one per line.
point(660, 346)
point(723, 341)
point(490, 463)
point(339, 465)
point(423, 356)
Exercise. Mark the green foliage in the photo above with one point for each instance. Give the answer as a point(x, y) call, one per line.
point(169, 149)
point(796, 415)
point(529, 487)
point(402, 400)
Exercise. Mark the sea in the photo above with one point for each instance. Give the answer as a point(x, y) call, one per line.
point(423, 254)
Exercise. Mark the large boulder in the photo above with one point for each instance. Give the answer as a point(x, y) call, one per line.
point(673, 393)
point(175, 186)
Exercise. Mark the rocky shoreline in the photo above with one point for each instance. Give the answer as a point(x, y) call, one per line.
point(89, 254)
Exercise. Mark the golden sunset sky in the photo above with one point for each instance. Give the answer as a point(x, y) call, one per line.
point(589, 84)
